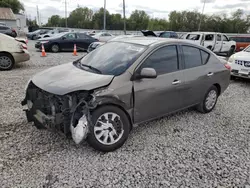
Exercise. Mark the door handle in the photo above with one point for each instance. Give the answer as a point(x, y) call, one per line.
point(176, 82)
point(210, 74)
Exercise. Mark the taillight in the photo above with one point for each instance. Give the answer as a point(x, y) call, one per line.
point(24, 46)
point(13, 30)
point(227, 66)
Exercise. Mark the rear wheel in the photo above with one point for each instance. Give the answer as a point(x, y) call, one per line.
point(209, 101)
point(230, 52)
point(110, 129)
point(6, 61)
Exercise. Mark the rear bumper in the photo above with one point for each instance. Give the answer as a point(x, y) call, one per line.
point(21, 57)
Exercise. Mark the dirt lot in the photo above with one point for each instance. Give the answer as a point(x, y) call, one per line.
point(187, 149)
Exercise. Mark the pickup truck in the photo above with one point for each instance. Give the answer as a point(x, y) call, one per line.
point(217, 42)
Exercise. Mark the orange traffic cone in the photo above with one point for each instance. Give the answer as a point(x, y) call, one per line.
point(43, 52)
point(74, 52)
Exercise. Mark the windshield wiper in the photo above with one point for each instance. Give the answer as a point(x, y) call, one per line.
point(92, 68)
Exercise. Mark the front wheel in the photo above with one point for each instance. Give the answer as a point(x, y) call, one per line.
point(55, 48)
point(109, 130)
point(209, 101)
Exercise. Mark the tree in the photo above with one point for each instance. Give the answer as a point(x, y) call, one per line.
point(15, 5)
point(138, 20)
point(80, 18)
point(54, 20)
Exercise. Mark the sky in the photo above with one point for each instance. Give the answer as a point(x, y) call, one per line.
point(155, 8)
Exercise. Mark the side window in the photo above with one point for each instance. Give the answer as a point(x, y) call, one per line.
point(164, 60)
point(82, 36)
point(165, 35)
point(209, 37)
point(192, 57)
point(193, 37)
point(70, 36)
point(204, 57)
point(247, 39)
point(218, 37)
point(224, 38)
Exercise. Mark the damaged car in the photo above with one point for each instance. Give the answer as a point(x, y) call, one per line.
point(127, 81)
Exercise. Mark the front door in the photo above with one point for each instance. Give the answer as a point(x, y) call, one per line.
point(159, 96)
point(218, 43)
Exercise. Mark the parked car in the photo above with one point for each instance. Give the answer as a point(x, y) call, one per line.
point(240, 64)
point(241, 42)
point(8, 31)
point(103, 36)
point(124, 82)
point(34, 35)
point(11, 52)
point(217, 42)
point(50, 33)
point(162, 34)
point(94, 45)
point(65, 42)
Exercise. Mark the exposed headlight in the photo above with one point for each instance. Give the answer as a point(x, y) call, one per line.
point(231, 59)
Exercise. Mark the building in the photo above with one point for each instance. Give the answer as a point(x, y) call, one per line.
point(7, 17)
point(21, 22)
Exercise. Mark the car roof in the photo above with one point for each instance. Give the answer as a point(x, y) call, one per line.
point(147, 41)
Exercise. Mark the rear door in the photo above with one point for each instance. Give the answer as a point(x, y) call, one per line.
point(159, 96)
point(218, 43)
point(83, 41)
point(68, 42)
point(198, 74)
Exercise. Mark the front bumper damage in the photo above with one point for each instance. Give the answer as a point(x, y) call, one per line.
point(68, 114)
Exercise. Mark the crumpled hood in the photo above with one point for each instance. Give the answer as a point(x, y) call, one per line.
point(67, 78)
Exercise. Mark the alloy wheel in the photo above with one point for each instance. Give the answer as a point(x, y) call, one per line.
point(211, 99)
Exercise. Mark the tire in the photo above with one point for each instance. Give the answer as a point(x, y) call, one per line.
point(204, 107)
point(232, 78)
point(55, 48)
point(120, 135)
point(230, 52)
point(7, 62)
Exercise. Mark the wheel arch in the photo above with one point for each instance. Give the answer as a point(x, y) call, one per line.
point(117, 104)
point(5, 52)
point(218, 88)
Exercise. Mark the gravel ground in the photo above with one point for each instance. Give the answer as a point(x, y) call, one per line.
point(187, 149)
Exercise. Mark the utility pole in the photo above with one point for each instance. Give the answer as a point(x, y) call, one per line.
point(124, 18)
point(104, 16)
point(38, 18)
point(66, 23)
point(202, 15)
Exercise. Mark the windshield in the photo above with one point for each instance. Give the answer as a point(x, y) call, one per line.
point(247, 49)
point(113, 58)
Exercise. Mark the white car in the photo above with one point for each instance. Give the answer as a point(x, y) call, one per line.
point(217, 42)
point(48, 34)
point(12, 51)
point(103, 36)
point(240, 64)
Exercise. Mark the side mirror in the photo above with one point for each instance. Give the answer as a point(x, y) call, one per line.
point(146, 73)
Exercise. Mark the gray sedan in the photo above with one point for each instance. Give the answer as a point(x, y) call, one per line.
point(124, 82)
